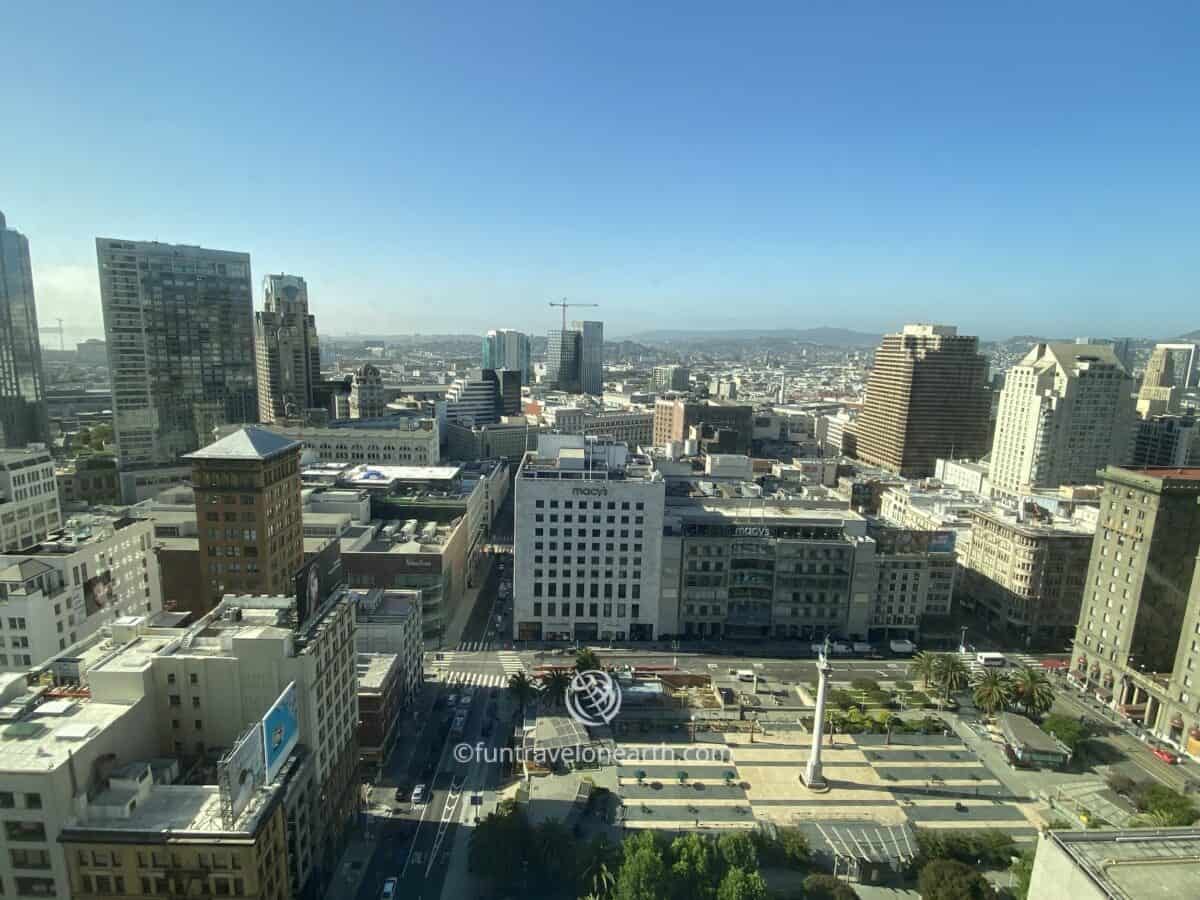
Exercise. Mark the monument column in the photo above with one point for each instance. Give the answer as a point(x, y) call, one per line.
point(813, 777)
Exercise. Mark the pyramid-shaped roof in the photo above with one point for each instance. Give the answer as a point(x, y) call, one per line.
point(249, 442)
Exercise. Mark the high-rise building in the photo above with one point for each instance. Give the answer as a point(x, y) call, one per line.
point(366, 393)
point(675, 420)
point(926, 398)
point(22, 401)
point(591, 356)
point(562, 360)
point(1066, 411)
point(179, 322)
point(474, 398)
point(605, 589)
point(286, 349)
point(247, 488)
point(1166, 440)
point(1141, 600)
point(672, 378)
point(1171, 371)
point(504, 348)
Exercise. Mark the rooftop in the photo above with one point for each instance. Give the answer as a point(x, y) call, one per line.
point(43, 740)
point(1037, 522)
point(1131, 864)
point(247, 443)
point(169, 808)
point(373, 670)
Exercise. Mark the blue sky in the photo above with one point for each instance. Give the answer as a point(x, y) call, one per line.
point(453, 167)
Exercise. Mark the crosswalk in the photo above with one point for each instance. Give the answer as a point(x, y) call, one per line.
point(474, 646)
point(475, 679)
point(1015, 660)
point(511, 663)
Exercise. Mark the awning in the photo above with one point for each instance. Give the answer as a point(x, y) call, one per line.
point(1054, 664)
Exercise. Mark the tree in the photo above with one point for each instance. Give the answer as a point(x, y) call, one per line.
point(950, 673)
point(738, 884)
point(1160, 807)
point(738, 851)
point(521, 688)
point(948, 879)
point(694, 871)
point(555, 685)
point(1069, 730)
point(993, 692)
point(1022, 873)
point(499, 845)
point(643, 874)
point(826, 887)
point(925, 665)
point(600, 861)
point(1032, 691)
point(586, 660)
point(552, 852)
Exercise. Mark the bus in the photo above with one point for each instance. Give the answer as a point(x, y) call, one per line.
point(991, 659)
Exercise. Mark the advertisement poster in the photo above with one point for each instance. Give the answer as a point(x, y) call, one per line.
point(281, 730)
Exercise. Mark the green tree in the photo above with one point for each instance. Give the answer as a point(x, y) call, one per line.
point(1160, 806)
point(826, 887)
point(1069, 730)
point(555, 685)
point(737, 849)
point(643, 874)
point(948, 879)
point(499, 845)
point(1022, 874)
point(521, 688)
point(600, 861)
point(1032, 691)
point(925, 665)
point(553, 853)
point(950, 673)
point(695, 868)
point(738, 884)
point(586, 660)
point(993, 692)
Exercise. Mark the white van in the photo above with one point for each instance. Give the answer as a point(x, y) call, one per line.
point(991, 659)
point(745, 675)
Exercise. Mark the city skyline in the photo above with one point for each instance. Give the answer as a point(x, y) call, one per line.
point(800, 168)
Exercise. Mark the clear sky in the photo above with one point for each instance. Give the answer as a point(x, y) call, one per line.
point(1011, 168)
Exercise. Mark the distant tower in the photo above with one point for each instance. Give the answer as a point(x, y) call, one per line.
point(286, 349)
point(22, 402)
point(366, 393)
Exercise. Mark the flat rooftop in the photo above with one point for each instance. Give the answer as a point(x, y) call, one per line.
point(43, 740)
point(374, 668)
point(374, 475)
point(1132, 864)
point(1037, 524)
point(172, 808)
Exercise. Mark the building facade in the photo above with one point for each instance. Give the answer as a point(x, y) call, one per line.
point(1066, 411)
point(286, 348)
point(562, 361)
point(588, 539)
point(95, 571)
point(179, 322)
point(29, 504)
point(591, 357)
point(1171, 371)
point(671, 378)
point(247, 490)
point(1171, 441)
point(675, 419)
point(22, 399)
point(926, 398)
point(1025, 574)
point(89, 481)
point(366, 393)
point(1139, 616)
point(504, 348)
point(410, 442)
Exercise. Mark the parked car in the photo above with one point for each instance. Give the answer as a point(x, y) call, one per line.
point(420, 795)
point(401, 795)
point(1165, 755)
point(389, 889)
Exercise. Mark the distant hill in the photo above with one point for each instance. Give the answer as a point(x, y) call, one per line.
point(1190, 336)
point(829, 337)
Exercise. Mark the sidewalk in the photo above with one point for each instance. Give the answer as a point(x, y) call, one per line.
point(462, 616)
point(352, 869)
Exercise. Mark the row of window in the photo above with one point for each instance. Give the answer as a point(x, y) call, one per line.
point(583, 504)
point(564, 610)
point(632, 592)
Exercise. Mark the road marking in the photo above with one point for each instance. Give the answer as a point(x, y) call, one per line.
point(452, 797)
point(416, 834)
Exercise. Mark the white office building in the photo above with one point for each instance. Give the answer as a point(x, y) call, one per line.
point(1066, 411)
point(29, 507)
point(588, 542)
point(411, 442)
point(95, 571)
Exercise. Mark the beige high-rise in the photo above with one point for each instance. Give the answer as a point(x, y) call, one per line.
point(926, 398)
point(286, 349)
point(1066, 411)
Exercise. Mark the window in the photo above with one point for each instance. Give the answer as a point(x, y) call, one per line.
point(7, 800)
point(24, 831)
point(33, 801)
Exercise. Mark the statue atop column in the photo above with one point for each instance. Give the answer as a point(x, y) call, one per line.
point(813, 778)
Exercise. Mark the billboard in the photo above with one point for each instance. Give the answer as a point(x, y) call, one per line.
point(280, 730)
point(240, 772)
point(97, 593)
point(317, 579)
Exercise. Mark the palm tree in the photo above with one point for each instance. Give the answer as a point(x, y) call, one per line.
point(555, 684)
point(521, 688)
point(925, 665)
point(586, 660)
point(950, 672)
point(1032, 690)
point(993, 692)
point(891, 722)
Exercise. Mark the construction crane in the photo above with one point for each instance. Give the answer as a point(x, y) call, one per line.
point(564, 304)
point(62, 344)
